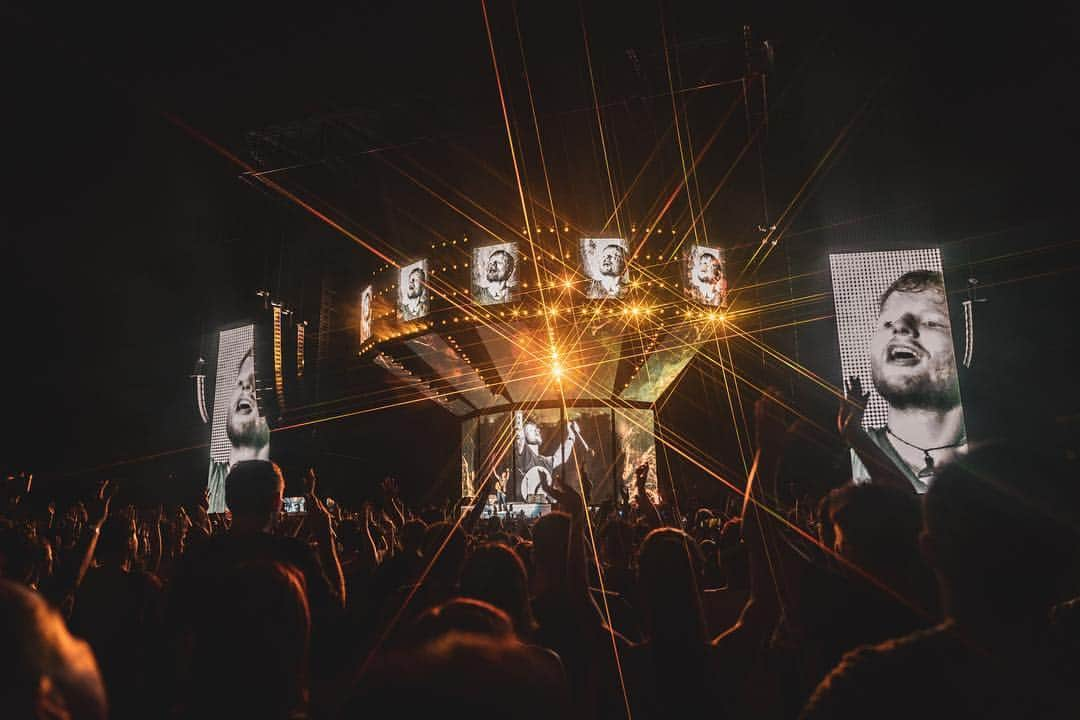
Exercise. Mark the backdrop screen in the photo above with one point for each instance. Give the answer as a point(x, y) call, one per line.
point(579, 447)
point(238, 430)
point(895, 336)
point(495, 273)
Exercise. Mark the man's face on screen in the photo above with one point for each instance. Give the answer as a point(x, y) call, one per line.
point(612, 261)
point(416, 284)
point(532, 434)
point(243, 425)
point(498, 268)
point(911, 352)
point(365, 307)
point(707, 269)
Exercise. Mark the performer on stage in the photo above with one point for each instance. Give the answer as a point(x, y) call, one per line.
point(532, 467)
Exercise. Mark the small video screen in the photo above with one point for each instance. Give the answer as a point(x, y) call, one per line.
point(606, 262)
point(293, 506)
point(705, 276)
point(495, 273)
point(366, 298)
point(413, 296)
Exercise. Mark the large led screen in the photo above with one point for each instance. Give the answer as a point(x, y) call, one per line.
point(495, 273)
point(704, 275)
point(413, 299)
point(895, 336)
point(605, 261)
point(238, 430)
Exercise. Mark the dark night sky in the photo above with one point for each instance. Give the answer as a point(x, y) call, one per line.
point(125, 238)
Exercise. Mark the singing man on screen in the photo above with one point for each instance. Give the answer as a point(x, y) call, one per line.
point(610, 280)
point(532, 467)
point(248, 433)
point(914, 371)
point(708, 277)
point(498, 274)
point(415, 301)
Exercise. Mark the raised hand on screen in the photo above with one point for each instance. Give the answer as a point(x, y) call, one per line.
point(849, 416)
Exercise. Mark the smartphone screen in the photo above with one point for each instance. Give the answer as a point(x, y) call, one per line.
point(293, 506)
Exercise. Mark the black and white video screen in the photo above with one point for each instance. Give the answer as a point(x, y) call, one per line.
point(238, 431)
point(590, 466)
point(895, 336)
point(413, 296)
point(495, 273)
point(518, 452)
point(366, 299)
point(606, 262)
point(705, 276)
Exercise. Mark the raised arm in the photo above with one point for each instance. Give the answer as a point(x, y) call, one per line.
point(519, 432)
point(563, 455)
point(322, 530)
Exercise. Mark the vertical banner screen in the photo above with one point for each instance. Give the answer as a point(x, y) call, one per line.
point(413, 298)
point(238, 430)
point(895, 336)
point(704, 275)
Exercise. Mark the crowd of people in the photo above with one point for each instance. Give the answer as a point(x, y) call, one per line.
point(877, 602)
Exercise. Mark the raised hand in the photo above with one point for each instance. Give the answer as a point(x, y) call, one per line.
point(310, 481)
point(390, 488)
point(567, 500)
point(97, 509)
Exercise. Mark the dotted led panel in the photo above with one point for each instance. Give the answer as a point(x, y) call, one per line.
point(232, 345)
point(858, 281)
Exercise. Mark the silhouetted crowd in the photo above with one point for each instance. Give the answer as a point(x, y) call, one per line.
point(874, 603)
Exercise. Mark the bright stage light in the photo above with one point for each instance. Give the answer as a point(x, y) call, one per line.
point(557, 370)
